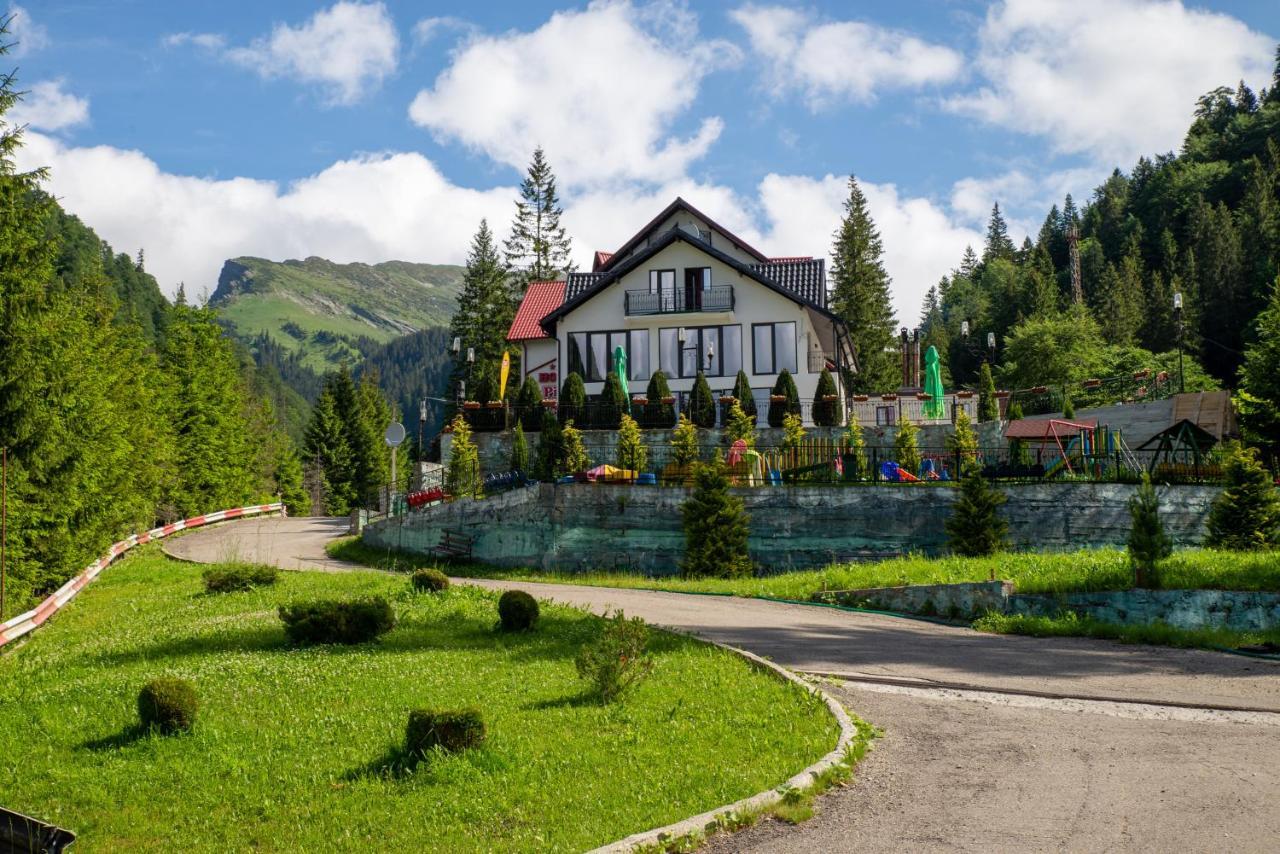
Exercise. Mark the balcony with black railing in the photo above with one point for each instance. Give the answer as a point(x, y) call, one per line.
point(715, 299)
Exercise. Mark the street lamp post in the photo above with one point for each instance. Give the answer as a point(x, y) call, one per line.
point(1177, 318)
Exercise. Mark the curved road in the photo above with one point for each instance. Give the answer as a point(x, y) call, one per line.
point(992, 742)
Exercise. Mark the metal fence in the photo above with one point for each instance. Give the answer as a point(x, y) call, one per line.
point(598, 415)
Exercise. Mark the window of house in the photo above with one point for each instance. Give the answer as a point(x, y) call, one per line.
point(715, 350)
point(773, 347)
point(591, 354)
point(638, 355)
point(663, 284)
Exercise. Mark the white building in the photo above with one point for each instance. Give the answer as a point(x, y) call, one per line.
point(683, 295)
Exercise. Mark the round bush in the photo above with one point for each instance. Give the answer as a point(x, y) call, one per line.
point(238, 577)
point(168, 705)
point(337, 621)
point(448, 730)
point(518, 611)
point(430, 581)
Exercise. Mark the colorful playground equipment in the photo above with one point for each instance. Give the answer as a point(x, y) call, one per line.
point(1080, 448)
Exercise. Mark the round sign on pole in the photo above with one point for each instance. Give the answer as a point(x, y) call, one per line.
point(394, 434)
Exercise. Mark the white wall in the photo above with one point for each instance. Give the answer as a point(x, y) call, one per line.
point(754, 303)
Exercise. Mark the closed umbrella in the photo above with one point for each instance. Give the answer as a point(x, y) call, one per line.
point(933, 407)
point(620, 368)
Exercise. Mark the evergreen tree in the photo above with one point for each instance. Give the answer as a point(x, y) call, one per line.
point(633, 454)
point(538, 249)
point(529, 404)
point(988, 406)
point(785, 388)
point(1259, 402)
point(740, 426)
point(485, 310)
point(366, 431)
point(519, 449)
point(1148, 542)
point(963, 442)
point(742, 392)
point(826, 413)
point(462, 478)
point(702, 408)
point(1245, 515)
point(684, 442)
point(550, 447)
point(573, 398)
point(975, 527)
point(575, 459)
point(657, 413)
point(326, 445)
point(288, 482)
point(999, 244)
point(1068, 408)
point(613, 404)
point(716, 526)
point(861, 297)
point(1122, 302)
point(792, 433)
point(906, 447)
point(856, 452)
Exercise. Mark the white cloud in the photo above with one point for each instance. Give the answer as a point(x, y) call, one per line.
point(369, 209)
point(206, 41)
point(46, 106)
point(428, 28)
point(598, 89)
point(1110, 78)
point(922, 242)
point(836, 61)
point(1025, 198)
point(27, 35)
point(347, 49)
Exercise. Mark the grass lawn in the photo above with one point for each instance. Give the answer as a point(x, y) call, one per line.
point(1158, 634)
point(1031, 572)
point(292, 748)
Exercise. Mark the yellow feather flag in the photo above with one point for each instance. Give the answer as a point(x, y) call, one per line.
point(502, 375)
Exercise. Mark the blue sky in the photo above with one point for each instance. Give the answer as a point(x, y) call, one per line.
point(369, 131)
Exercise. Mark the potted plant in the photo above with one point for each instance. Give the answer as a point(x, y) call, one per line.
point(471, 404)
point(549, 402)
point(669, 399)
point(1002, 394)
point(494, 404)
point(889, 397)
point(777, 398)
point(829, 397)
point(639, 400)
point(1162, 377)
point(860, 398)
point(727, 399)
point(964, 394)
point(1040, 389)
point(923, 395)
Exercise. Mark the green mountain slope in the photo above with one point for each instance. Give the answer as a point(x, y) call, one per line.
point(332, 314)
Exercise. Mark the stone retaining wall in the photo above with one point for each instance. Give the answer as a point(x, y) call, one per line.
point(1185, 609)
point(581, 527)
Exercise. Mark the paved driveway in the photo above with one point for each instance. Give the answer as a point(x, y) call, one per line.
point(991, 742)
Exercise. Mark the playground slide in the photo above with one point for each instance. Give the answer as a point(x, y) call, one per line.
point(1055, 466)
point(905, 476)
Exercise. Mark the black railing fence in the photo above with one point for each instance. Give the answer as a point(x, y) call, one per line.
point(658, 415)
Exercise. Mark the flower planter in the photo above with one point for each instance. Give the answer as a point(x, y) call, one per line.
point(1141, 392)
point(964, 395)
point(639, 401)
point(726, 399)
point(1141, 375)
point(494, 404)
point(889, 397)
point(1040, 389)
point(859, 398)
point(777, 398)
point(829, 398)
point(549, 402)
point(1162, 377)
point(1002, 394)
point(1092, 383)
point(471, 404)
point(668, 401)
point(923, 395)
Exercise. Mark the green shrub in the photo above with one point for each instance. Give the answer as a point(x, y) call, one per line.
point(529, 404)
point(233, 578)
point(716, 526)
point(519, 449)
point(702, 409)
point(742, 393)
point(988, 405)
point(633, 453)
point(684, 442)
point(616, 660)
point(1148, 542)
point(612, 406)
point(785, 388)
point(168, 705)
point(1245, 515)
point(739, 425)
point(975, 527)
point(448, 730)
point(656, 413)
point(337, 621)
point(550, 447)
point(826, 413)
point(573, 398)
point(906, 447)
point(429, 581)
point(517, 611)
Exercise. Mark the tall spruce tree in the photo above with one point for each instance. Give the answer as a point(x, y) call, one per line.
point(860, 294)
point(999, 244)
point(486, 308)
point(538, 248)
point(975, 527)
point(326, 447)
point(1148, 542)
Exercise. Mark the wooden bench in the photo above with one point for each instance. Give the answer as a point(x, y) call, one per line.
point(455, 544)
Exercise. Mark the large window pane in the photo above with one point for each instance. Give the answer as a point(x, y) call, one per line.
point(668, 352)
point(731, 341)
point(711, 351)
point(616, 340)
point(578, 353)
point(762, 348)
point(689, 354)
point(784, 346)
point(599, 356)
point(639, 355)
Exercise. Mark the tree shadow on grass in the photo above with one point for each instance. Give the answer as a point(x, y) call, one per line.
point(573, 701)
point(261, 639)
point(125, 737)
point(396, 763)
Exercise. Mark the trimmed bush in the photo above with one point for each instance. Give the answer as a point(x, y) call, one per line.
point(234, 578)
point(702, 409)
point(448, 730)
point(616, 660)
point(168, 705)
point(612, 406)
point(785, 387)
point(573, 398)
point(826, 413)
point(742, 391)
point(337, 621)
point(517, 611)
point(429, 581)
point(656, 413)
point(529, 405)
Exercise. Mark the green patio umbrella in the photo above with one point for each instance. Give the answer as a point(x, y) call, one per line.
point(934, 406)
point(620, 368)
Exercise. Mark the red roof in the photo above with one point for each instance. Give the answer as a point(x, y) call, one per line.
point(601, 259)
point(1045, 429)
point(540, 299)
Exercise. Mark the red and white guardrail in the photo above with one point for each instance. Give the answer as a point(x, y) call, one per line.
point(33, 619)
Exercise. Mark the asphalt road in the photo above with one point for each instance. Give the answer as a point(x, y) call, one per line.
point(978, 754)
